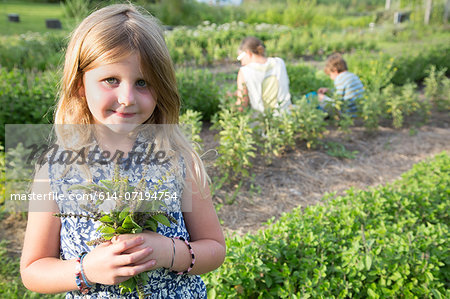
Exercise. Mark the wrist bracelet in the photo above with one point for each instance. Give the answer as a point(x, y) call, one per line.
point(83, 287)
point(82, 272)
point(173, 254)
point(191, 251)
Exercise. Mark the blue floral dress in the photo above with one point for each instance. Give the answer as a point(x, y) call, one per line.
point(75, 232)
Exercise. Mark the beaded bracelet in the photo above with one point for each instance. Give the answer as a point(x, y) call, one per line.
point(83, 286)
point(191, 251)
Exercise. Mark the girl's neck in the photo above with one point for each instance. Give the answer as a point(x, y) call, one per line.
point(112, 142)
point(259, 59)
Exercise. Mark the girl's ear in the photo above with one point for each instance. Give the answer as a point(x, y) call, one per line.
point(80, 89)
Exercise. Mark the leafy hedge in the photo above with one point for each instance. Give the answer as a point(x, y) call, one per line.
point(32, 50)
point(386, 242)
point(26, 97)
point(413, 66)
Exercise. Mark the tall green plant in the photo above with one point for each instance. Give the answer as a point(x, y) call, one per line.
point(437, 88)
point(309, 122)
point(237, 144)
point(191, 124)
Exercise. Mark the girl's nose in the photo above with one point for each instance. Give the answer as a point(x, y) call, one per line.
point(126, 96)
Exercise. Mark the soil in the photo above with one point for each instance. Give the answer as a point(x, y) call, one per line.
point(300, 177)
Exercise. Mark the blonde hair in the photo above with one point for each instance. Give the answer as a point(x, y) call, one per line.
point(107, 36)
point(335, 62)
point(254, 45)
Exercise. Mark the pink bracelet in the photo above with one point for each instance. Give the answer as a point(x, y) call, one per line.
point(191, 251)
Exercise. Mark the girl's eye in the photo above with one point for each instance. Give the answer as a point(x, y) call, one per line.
point(111, 80)
point(141, 83)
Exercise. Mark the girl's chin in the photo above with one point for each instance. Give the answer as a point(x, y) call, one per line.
point(122, 128)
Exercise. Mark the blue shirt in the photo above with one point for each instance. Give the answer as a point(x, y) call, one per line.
point(349, 87)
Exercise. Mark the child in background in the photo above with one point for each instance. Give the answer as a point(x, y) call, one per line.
point(261, 80)
point(118, 76)
point(346, 85)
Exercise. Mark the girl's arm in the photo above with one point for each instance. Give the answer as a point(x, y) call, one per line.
point(242, 92)
point(41, 268)
point(207, 238)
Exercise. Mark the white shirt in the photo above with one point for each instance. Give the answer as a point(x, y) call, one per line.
point(267, 84)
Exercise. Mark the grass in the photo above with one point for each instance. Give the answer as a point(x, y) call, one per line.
point(32, 16)
point(11, 286)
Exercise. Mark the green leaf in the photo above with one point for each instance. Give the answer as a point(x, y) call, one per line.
point(106, 219)
point(151, 225)
point(372, 294)
point(108, 236)
point(129, 223)
point(108, 184)
point(396, 276)
point(124, 213)
point(107, 230)
point(162, 219)
point(368, 262)
point(128, 286)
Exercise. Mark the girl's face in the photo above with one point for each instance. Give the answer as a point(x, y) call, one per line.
point(117, 94)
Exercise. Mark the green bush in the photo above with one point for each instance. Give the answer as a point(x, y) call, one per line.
point(403, 101)
point(26, 97)
point(304, 79)
point(198, 91)
point(386, 242)
point(32, 50)
point(413, 64)
point(237, 144)
point(191, 124)
point(437, 88)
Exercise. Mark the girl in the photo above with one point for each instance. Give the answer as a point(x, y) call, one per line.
point(262, 80)
point(118, 78)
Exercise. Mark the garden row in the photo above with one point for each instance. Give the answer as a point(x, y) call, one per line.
point(387, 242)
point(210, 43)
point(242, 135)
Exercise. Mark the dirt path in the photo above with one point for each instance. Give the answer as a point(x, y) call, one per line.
point(301, 176)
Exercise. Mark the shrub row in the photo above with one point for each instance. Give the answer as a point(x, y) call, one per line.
point(26, 97)
point(32, 50)
point(202, 45)
point(386, 242)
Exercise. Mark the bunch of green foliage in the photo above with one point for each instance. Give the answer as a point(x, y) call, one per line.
point(304, 79)
point(437, 88)
point(237, 144)
point(308, 121)
point(191, 124)
point(26, 97)
point(274, 134)
point(122, 208)
point(389, 241)
point(413, 65)
point(376, 73)
point(198, 91)
point(403, 101)
point(32, 50)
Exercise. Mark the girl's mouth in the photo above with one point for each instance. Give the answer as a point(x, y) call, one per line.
point(124, 115)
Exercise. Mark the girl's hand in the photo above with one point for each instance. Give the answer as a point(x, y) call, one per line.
point(162, 248)
point(322, 90)
point(114, 262)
